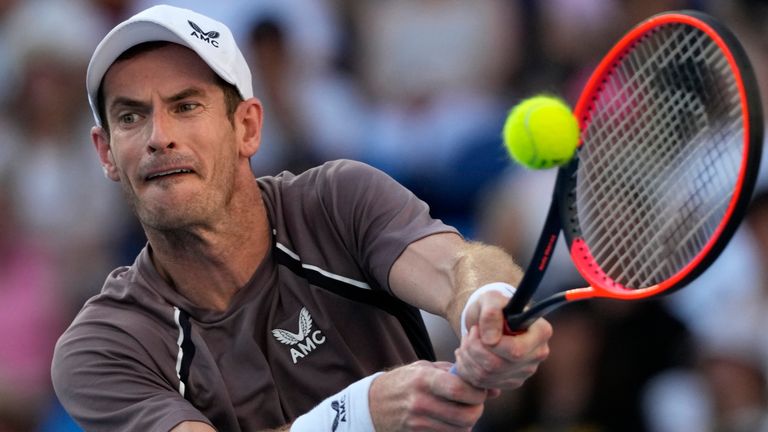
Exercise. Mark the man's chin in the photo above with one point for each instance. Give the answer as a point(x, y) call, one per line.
point(168, 219)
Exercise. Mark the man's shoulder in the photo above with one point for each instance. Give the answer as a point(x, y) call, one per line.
point(117, 311)
point(335, 170)
point(110, 326)
point(113, 343)
point(127, 304)
point(346, 166)
point(341, 180)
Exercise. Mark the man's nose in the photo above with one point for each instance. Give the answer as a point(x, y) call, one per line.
point(160, 138)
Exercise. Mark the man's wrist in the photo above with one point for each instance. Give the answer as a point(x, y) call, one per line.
point(500, 287)
point(346, 411)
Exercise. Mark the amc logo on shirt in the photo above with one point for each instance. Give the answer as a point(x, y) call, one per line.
point(303, 342)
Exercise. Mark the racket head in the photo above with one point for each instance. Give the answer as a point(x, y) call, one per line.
point(669, 152)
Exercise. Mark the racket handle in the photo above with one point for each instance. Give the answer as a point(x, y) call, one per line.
point(515, 330)
point(518, 323)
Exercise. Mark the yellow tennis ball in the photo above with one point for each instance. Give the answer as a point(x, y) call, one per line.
point(541, 132)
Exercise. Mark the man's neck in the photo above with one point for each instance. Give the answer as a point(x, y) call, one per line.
point(210, 265)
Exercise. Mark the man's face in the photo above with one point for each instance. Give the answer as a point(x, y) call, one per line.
point(171, 144)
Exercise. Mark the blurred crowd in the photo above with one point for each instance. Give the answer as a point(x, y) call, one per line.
point(420, 89)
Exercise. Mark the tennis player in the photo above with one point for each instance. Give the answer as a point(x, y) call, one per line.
point(288, 302)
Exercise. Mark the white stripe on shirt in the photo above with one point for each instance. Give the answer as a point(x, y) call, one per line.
point(325, 273)
point(180, 356)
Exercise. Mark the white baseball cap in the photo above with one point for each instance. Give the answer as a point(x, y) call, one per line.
point(210, 39)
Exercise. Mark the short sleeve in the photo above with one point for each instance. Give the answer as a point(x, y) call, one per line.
point(106, 380)
point(378, 217)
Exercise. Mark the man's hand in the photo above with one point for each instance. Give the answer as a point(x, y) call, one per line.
point(489, 359)
point(425, 396)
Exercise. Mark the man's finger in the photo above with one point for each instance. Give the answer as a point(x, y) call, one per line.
point(452, 388)
point(529, 345)
point(491, 320)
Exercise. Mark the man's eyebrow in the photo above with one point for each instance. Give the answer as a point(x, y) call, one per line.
point(126, 102)
point(186, 93)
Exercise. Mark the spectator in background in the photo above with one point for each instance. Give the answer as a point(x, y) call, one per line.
point(31, 319)
point(435, 71)
point(316, 107)
point(318, 114)
point(571, 36)
point(735, 355)
point(111, 12)
point(736, 380)
point(727, 388)
point(6, 6)
point(58, 192)
point(274, 73)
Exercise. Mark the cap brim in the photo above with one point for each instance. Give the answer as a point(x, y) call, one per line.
point(115, 44)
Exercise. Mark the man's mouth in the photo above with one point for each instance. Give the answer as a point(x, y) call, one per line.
point(169, 173)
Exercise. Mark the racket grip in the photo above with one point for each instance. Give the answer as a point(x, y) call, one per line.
point(518, 323)
point(515, 329)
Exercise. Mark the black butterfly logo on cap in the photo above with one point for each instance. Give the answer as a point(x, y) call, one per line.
point(213, 34)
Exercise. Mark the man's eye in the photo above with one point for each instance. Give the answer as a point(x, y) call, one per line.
point(128, 118)
point(187, 106)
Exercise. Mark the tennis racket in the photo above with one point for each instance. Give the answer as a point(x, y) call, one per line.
point(670, 142)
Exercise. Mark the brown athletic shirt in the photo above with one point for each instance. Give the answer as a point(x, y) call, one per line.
point(316, 316)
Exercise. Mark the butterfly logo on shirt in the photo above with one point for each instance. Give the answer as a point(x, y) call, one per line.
point(303, 342)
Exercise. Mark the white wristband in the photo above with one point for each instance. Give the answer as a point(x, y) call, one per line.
point(501, 287)
point(346, 411)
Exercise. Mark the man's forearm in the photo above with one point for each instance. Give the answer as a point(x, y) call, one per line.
point(477, 265)
point(438, 273)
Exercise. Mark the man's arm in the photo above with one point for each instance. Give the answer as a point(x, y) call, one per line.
point(438, 273)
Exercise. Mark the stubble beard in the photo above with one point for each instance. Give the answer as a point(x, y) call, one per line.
point(199, 212)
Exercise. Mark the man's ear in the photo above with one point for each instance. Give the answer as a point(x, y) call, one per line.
point(248, 122)
point(101, 142)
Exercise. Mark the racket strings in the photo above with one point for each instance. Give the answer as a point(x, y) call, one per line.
point(674, 227)
point(622, 104)
point(623, 100)
point(660, 157)
point(668, 241)
point(628, 153)
point(686, 226)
